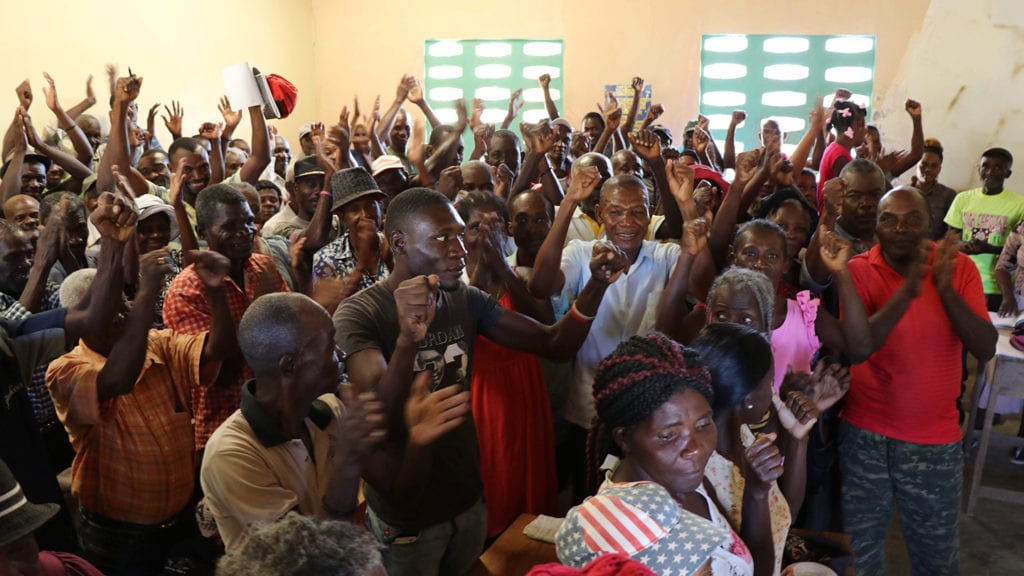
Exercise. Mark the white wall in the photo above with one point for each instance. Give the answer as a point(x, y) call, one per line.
point(967, 72)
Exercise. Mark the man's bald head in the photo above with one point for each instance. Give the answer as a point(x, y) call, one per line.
point(22, 210)
point(604, 166)
point(907, 195)
point(903, 224)
point(625, 162)
point(476, 175)
point(276, 325)
point(622, 182)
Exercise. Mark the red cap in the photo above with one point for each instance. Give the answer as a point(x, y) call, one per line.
point(283, 92)
point(701, 172)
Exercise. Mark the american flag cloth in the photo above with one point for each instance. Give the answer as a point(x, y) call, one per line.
point(643, 521)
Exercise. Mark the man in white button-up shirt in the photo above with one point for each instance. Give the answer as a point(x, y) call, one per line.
point(631, 302)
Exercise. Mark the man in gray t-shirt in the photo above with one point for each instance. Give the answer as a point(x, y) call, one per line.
point(424, 500)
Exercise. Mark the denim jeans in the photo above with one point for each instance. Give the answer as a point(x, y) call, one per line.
point(449, 548)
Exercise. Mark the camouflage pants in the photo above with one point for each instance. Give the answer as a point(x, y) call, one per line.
point(924, 481)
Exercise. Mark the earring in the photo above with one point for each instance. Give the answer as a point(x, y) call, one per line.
point(750, 406)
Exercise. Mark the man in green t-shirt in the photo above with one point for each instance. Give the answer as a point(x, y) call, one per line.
point(985, 216)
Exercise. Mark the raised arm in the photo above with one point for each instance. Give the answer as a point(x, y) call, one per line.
point(714, 155)
point(539, 139)
point(648, 146)
point(376, 144)
point(114, 218)
point(652, 116)
point(47, 252)
point(126, 90)
point(24, 92)
point(76, 169)
point(749, 176)
point(832, 200)
point(612, 120)
point(680, 178)
point(415, 153)
point(899, 162)
point(232, 118)
point(493, 260)
point(444, 154)
point(638, 87)
point(515, 106)
point(729, 156)
point(212, 133)
point(340, 135)
point(482, 135)
point(388, 121)
point(66, 122)
point(124, 363)
point(549, 103)
point(88, 102)
point(151, 125)
point(481, 132)
point(11, 182)
point(416, 97)
point(261, 153)
point(186, 233)
point(172, 121)
point(672, 311)
point(548, 278)
point(318, 233)
point(814, 128)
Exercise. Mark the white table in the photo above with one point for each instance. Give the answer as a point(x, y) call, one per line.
point(1004, 374)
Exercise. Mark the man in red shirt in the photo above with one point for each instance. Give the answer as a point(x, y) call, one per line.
point(900, 439)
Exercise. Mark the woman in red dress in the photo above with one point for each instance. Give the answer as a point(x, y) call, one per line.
point(510, 402)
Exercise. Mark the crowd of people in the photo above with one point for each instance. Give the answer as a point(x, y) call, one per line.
point(374, 355)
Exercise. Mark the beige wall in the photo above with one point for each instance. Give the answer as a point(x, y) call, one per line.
point(332, 50)
point(364, 47)
point(179, 48)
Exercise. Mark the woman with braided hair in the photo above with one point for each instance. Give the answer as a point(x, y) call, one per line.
point(655, 424)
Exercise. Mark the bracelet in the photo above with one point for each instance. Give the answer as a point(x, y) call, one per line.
point(579, 316)
point(70, 128)
point(325, 193)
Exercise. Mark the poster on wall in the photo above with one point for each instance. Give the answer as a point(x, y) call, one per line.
point(624, 94)
point(492, 70)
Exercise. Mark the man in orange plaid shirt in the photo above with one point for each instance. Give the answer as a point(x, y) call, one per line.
point(122, 394)
point(224, 220)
